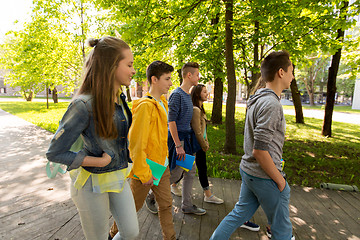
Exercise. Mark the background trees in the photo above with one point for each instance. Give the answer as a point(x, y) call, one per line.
point(228, 38)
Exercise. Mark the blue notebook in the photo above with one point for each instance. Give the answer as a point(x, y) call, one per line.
point(188, 163)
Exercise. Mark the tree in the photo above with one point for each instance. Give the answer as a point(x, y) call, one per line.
point(312, 74)
point(296, 100)
point(333, 70)
point(230, 140)
point(183, 30)
point(34, 57)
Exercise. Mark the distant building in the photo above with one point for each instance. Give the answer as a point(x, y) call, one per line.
point(5, 89)
point(356, 99)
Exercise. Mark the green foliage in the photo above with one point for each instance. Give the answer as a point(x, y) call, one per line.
point(181, 31)
point(171, 31)
point(50, 50)
point(38, 56)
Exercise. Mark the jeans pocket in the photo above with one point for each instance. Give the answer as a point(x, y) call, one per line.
point(286, 188)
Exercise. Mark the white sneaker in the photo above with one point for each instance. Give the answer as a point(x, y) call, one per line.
point(176, 191)
point(268, 233)
point(213, 199)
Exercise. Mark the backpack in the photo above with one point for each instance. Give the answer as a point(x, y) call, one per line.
point(76, 147)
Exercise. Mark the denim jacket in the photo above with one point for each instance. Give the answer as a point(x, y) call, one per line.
point(79, 120)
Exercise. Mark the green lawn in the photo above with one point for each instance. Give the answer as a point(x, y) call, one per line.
point(50, 99)
point(310, 158)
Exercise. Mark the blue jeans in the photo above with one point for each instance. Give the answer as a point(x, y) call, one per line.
point(254, 192)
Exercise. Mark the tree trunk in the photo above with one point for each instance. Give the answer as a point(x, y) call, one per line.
point(29, 97)
point(216, 115)
point(128, 95)
point(180, 76)
point(331, 84)
point(255, 75)
point(139, 90)
point(296, 100)
point(47, 97)
point(55, 95)
point(311, 98)
point(230, 139)
point(82, 31)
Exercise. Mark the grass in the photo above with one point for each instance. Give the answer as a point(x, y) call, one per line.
point(50, 98)
point(310, 158)
point(36, 113)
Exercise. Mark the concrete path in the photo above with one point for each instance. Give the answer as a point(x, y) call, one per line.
point(35, 207)
point(319, 114)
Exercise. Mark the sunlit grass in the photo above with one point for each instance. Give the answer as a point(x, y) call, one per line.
point(310, 157)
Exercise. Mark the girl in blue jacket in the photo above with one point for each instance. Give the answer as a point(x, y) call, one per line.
point(100, 115)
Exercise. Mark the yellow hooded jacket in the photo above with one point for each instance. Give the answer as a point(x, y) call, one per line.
point(148, 136)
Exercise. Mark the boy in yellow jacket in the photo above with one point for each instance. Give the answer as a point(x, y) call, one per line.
point(148, 138)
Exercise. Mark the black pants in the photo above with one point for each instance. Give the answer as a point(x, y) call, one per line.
point(200, 160)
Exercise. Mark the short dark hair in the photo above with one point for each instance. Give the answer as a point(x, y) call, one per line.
point(272, 63)
point(189, 67)
point(158, 68)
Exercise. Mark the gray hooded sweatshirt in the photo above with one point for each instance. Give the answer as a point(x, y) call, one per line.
point(264, 130)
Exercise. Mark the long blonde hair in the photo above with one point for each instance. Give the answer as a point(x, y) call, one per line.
point(98, 81)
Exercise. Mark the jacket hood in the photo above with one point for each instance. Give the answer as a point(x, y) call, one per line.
point(261, 93)
point(147, 98)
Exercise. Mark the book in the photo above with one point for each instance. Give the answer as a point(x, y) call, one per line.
point(157, 170)
point(188, 162)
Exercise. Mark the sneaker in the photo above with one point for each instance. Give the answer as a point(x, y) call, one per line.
point(151, 205)
point(176, 191)
point(251, 226)
point(213, 199)
point(268, 233)
point(194, 210)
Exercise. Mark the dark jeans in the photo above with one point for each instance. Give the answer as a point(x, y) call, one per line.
point(200, 160)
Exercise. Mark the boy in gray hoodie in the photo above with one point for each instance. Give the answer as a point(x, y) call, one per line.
point(263, 182)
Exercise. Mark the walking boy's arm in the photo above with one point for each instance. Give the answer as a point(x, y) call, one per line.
point(267, 164)
point(175, 136)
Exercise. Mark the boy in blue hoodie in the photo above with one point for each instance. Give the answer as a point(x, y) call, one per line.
point(263, 182)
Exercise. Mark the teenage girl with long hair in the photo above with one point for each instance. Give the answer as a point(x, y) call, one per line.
point(199, 95)
point(100, 115)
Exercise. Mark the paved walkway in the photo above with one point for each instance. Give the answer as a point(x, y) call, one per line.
point(319, 114)
point(35, 207)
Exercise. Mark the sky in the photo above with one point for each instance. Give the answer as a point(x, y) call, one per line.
point(10, 11)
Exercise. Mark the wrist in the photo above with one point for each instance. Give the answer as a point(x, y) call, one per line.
point(178, 146)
